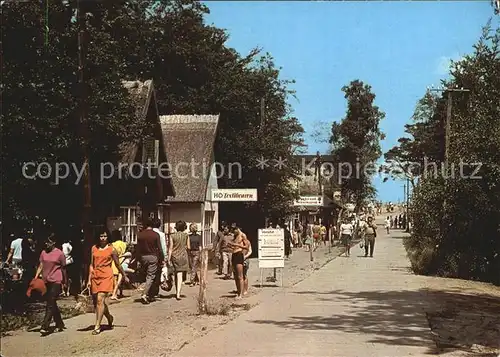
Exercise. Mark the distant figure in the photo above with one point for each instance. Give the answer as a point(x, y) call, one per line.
point(226, 251)
point(370, 233)
point(194, 254)
point(316, 233)
point(15, 252)
point(388, 224)
point(71, 268)
point(288, 241)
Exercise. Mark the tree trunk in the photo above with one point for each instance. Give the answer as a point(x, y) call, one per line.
point(202, 297)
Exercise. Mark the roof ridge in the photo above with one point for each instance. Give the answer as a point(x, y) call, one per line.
point(187, 119)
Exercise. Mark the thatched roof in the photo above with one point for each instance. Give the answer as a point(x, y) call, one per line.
point(189, 142)
point(141, 94)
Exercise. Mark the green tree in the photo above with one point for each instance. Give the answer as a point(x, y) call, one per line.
point(194, 73)
point(423, 143)
point(461, 238)
point(40, 117)
point(356, 141)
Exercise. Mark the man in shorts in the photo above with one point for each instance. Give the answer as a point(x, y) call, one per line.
point(242, 248)
point(246, 263)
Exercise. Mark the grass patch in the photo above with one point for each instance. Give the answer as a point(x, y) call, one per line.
point(216, 309)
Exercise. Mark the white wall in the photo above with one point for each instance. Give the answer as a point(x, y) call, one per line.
point(191, 212)
point(187, 212)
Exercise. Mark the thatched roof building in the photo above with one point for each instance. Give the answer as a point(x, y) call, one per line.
point(189, 142)
point(143, 96)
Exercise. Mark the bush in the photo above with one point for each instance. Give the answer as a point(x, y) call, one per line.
point(460, 241)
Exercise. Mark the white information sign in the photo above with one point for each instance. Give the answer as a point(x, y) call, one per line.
point(309, 201)
point(234, 195)
point(271, 248)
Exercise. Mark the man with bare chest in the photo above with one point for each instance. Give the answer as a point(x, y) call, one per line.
point(242, 249)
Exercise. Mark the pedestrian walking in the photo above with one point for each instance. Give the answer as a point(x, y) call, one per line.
point(370, 233)
point(120, 247)
point(307, 234)
point(71, 268)
point(151, 257)
point(323, 233)
point(101, 278)
point(316, 234)
point(346, 231)
point(388, 224)
point(179, 245)
point(194, 254)
point(288, 241)
point(155, 290)
point(52, 267)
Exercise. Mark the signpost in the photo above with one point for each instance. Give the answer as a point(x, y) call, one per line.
point(309, 201)
point(271, 251)
point(234, 195)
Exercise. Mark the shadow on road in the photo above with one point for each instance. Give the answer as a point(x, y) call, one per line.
point(458, 321)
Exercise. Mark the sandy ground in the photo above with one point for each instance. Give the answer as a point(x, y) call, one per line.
point(167, 325)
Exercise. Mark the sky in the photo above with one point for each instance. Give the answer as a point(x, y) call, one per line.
point(399, 48)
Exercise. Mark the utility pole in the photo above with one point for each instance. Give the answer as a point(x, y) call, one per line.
point(450, 92)
point(407, 221)
point(84, 133)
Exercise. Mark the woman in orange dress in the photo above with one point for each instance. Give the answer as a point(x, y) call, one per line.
point(101, 280)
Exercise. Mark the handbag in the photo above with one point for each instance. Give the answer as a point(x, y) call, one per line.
point(84, 301)
point(166, 280)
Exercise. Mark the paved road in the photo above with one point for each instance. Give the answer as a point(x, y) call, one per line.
point(351, 307)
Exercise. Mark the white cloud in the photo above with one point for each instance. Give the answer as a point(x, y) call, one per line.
point(443, 64)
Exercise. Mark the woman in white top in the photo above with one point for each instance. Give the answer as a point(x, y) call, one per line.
point(67, 248)
point(388, 224)
point(346, 230)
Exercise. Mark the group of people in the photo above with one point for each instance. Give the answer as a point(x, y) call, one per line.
point(232, 249)
point(311, 235)
point(365, 228)
point(23, 257)
point(156, 252)
point(111, 263)
point(398, 222)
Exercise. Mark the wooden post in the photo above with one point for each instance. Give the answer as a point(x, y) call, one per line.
point(84, 133)
point(202, 298)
